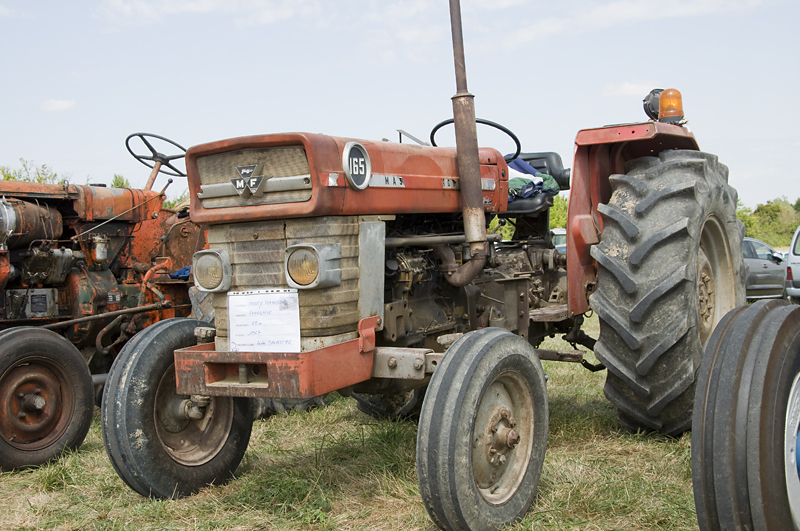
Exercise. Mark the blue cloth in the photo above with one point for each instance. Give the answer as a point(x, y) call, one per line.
point(523, 167)
point(182, 274)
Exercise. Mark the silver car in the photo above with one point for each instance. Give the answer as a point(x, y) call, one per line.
point(767, 278)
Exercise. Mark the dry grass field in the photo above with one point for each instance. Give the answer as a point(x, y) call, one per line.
point(336, 468)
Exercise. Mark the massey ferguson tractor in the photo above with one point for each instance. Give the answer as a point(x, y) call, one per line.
point(365, 267)
point(82, 269)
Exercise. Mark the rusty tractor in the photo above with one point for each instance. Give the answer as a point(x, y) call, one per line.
point(82, 269)
point(365, 267)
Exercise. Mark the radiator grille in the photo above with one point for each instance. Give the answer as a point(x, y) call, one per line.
point(287, 167)
point(256, 251)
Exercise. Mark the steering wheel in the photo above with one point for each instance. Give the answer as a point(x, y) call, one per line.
point(155, 156)
point(508, 158)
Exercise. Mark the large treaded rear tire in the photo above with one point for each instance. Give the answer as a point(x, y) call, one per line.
point(669, 268)
point(746, 416)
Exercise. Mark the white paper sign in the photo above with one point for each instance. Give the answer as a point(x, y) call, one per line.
point(264, 321)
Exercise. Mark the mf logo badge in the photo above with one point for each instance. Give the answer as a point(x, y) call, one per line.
point(249, 181)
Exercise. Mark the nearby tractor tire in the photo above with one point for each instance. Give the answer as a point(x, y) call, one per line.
point(392, 406)
point(746, 416)
point(266, 407)
point(156, 450)
point(669, 268)
point(483, 432)
point(46, 397)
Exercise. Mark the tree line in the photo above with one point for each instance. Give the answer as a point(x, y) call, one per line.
point(44, 174)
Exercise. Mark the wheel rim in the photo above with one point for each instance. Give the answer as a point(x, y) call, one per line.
point(715, 282)
point(502, 437)
point(190, 442)
point(36, 399)
point(791, 449)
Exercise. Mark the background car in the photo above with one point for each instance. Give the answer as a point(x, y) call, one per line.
point(560, 240)
point(793, 269)
point(767, 278)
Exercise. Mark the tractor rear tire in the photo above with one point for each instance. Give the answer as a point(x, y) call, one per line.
point(395, 406)
point(746, 416)
point(155, 448)
point(267, 407)
point(46, 397)
point(670, 267)
point(482, 432)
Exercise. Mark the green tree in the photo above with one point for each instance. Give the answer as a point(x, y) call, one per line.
point(773, 222)
point(120, 182)
point(175, 201)
point(30, 172)
point(558, 212)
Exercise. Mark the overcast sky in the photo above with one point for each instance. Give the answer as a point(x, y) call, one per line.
point(77, 77)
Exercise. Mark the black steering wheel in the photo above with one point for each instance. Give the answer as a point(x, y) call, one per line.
point(508, 158)
point(155, 156)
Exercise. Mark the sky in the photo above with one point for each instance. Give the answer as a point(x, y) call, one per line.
point(77, 77)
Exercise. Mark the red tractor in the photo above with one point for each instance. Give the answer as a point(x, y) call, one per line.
point(82, 269)
point(365, 267)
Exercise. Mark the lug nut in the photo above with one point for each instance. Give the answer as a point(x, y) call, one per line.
point(501, 460)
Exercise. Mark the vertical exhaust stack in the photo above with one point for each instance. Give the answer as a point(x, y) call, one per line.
point(469, 170)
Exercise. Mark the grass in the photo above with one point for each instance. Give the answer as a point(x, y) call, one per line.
point(338, 469)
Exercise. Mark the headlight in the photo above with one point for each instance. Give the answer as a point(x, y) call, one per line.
point(212, 270)
point(303, 266)
point(313, 265)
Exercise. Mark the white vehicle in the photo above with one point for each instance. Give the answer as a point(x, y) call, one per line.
point(793, 269)
point(560, 240)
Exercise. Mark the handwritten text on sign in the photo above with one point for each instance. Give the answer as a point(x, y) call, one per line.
point(264, 321)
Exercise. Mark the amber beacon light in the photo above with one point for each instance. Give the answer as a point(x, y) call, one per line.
point(670, 106)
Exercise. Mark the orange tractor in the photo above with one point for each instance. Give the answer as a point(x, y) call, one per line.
point(82, 269)
point(365, 267)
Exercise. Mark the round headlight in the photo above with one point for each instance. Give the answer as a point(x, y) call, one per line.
point(303, 266)
point(208, 271)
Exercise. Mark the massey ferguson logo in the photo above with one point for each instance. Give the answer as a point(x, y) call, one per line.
point(249, 181)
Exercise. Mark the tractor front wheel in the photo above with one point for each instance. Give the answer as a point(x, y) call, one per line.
point(161, 445)
point(483, 432)
point(46, 397)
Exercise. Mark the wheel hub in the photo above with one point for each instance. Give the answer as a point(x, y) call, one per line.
point(31, 399)
point(190, 438)
point(791, 449)
point(503, 433)
point(705, 295)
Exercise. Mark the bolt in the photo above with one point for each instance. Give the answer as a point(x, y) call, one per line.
point(392, 362)
point(418, 364)
point(39, 403)
point(512, 439)
point(21, 415)
point(37, 391)
point(503, 413)
point(155, 215)
point(501, 460)
point(494, 428)
point(255, 236)
point(20, 395)
point(492, 450)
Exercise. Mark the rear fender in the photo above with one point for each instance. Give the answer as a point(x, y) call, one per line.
point(600, 153)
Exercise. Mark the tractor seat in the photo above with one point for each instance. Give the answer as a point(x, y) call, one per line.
point(526, 207)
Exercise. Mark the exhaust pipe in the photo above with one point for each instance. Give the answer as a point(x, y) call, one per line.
point(467, 160)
